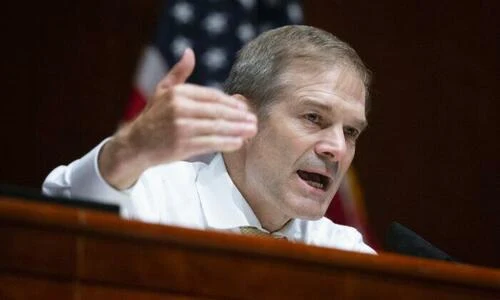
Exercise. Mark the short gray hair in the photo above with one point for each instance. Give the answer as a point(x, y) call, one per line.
point(259, 65)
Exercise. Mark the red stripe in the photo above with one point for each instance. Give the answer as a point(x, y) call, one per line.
point(135, 105)
point(336, 211)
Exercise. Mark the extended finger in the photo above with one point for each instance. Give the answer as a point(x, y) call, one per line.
point(205, 110)
point(180, 71)
point(207, 94)
point(203, 127)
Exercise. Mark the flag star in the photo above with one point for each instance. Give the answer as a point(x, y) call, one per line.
point(183, 12)
point(247, 4)
point(215, 23)
point(179, 44)
point(294, 13)
point(215, 58)
point(245, 32)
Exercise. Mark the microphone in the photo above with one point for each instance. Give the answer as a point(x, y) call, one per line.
point(402, 240)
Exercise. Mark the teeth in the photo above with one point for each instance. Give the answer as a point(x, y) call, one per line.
point(315, 184)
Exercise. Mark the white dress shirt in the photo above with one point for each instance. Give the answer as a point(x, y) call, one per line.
point(189, 194)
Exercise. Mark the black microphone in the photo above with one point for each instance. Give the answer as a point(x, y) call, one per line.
point(402, 240)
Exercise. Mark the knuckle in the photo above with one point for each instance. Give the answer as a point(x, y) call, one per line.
point(220, 111)
point(173, 92)
point(162, 85)
point(219, 125)
point(177, 89)
point(180, 134)
point(161, 93)
point(214, 110)
point(215, 94)
point(178, 127)
point(164, 95)
point(176, 106)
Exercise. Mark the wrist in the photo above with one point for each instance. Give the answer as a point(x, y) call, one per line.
point(120, 161)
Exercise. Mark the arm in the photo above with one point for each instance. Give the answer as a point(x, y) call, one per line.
point(182, 120)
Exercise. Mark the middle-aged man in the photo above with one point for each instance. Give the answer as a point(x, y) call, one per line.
point(306, 88)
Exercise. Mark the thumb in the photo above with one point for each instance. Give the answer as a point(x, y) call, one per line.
point(180, 71)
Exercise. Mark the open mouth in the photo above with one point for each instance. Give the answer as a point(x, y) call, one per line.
point(315, 180)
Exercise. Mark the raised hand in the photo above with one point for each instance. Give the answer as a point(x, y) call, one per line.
point(182, 120)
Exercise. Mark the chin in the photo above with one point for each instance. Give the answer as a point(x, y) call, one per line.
point(311, 217)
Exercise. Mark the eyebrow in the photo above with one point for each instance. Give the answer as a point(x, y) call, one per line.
point(360, 123)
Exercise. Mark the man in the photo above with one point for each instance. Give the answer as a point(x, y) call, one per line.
point(308, 91)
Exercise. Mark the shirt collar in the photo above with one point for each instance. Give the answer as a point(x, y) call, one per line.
point(223, 205)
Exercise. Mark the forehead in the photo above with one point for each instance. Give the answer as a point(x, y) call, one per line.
point(334, 84)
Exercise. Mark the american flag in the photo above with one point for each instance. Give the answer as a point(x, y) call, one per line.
point(216, 30)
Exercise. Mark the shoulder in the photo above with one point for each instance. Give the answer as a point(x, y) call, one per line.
point(166, 194)
point(173, 181)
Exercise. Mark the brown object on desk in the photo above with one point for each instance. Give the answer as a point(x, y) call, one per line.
point(54, 252)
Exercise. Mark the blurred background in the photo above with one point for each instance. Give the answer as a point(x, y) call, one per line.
point(429, 158)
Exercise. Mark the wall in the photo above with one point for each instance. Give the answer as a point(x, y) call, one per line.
point(68, 67)
point(430, 156)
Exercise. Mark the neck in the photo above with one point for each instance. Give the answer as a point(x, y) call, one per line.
point(270, 217)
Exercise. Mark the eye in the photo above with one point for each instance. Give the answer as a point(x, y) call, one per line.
point(313, 118)
point(351, 132)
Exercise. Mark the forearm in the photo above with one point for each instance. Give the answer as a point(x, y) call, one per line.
point(180, 121)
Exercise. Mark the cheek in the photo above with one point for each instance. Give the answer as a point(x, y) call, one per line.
point(270, 164)
point(347, 160)
point(271, 144)
point(263, 158)
point(277, 148)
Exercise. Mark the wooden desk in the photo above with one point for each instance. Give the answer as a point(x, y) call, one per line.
point(54, 252)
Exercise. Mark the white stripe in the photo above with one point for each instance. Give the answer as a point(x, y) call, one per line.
point(152, 67)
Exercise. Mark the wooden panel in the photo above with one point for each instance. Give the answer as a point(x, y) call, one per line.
point(22, 287)
point(105, 256)
point(89, 291)
point(18, 287)
point(38, 251)
point(225, 272)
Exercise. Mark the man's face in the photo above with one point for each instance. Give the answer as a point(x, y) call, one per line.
point(306, 143)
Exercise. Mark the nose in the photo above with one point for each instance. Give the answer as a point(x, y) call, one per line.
point(332, 145)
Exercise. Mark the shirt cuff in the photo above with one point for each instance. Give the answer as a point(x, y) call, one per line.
point(87, 181)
